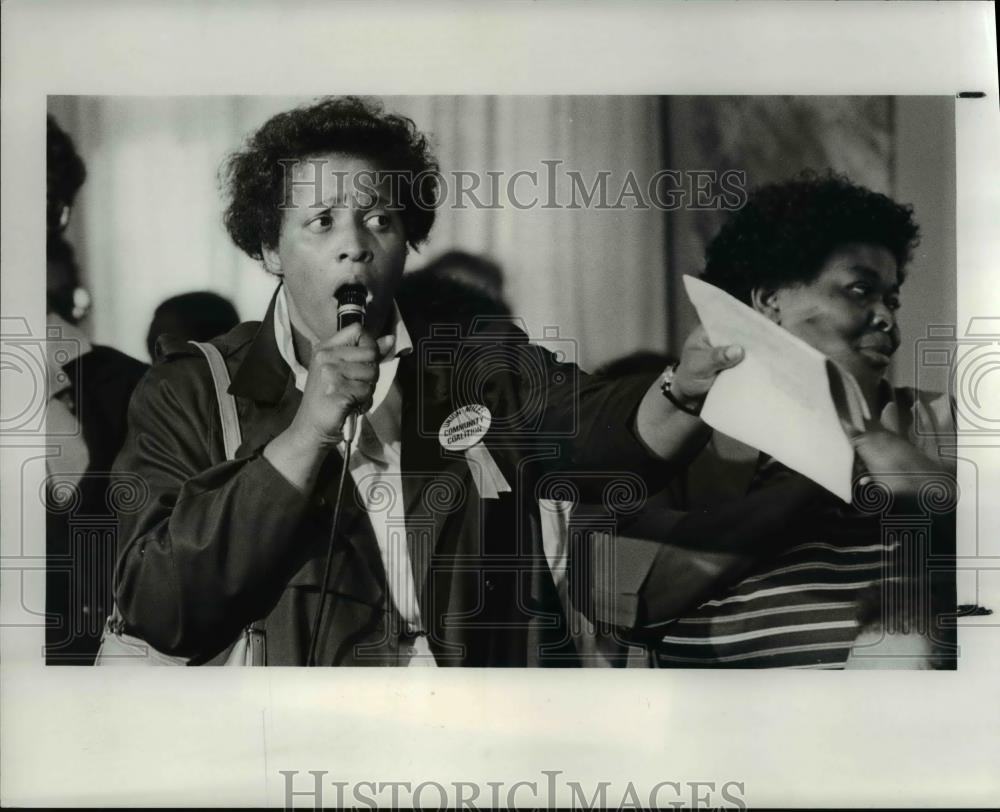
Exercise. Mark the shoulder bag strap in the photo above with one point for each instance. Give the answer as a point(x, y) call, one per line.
point(254, 655)
point(231, 435)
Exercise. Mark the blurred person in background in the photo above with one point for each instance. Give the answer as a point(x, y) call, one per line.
point(65, 173)
point(474, 272)
point(436, 297)
point(88, 391)
point(196, 316)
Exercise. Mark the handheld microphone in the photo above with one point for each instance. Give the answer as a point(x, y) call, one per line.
point(351, 300)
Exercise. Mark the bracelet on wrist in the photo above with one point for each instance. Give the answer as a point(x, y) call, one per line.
point(666, 389)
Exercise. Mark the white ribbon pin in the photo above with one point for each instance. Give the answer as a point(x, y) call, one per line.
point(464, 430)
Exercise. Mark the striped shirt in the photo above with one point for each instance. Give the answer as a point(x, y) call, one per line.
point(800, 608)
point(802, 611)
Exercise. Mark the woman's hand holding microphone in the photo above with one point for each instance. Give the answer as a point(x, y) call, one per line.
point(343, 372)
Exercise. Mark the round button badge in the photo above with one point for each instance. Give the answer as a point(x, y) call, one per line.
point(465, 427)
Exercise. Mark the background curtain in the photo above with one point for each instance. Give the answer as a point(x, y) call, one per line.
point(148, 222)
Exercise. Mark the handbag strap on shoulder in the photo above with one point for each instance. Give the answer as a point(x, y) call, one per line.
point(231, 434)
point(231, 439)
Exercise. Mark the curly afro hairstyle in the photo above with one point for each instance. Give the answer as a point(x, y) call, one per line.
point(64, 173)
point(786, 232)
point(254, 177)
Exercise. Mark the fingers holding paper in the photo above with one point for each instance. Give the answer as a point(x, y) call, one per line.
point(701, 362)
point(664, 422)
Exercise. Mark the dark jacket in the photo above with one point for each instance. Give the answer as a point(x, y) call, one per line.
point(217, 544)
point(80, 535)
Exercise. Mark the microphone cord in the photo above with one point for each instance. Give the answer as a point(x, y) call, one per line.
point(318, 619)
point(350, 309)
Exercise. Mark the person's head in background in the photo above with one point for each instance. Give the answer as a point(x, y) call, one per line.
point(898, 627)
point(64, 296)
point(332, 193)
point(434, 296)
point(471, 270)
point(196, 316)
point(64, 175)
point(825, 259)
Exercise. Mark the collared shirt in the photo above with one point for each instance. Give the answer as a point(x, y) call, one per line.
point(377, 472)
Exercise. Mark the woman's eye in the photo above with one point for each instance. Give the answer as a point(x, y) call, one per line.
point(319, 224)
point(379, 222)
point(860, 289)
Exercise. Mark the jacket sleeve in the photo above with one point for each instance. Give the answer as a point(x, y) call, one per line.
point(665, 562)
point(593, 418)
point(205, 545)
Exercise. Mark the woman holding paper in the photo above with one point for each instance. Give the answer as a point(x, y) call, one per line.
point(825, 260)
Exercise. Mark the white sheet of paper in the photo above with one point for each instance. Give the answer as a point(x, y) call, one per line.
point(778, 398)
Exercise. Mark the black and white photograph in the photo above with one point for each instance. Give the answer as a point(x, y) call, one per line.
point(682, 390)
point(516, 496)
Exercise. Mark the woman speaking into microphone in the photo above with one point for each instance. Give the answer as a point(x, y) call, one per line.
point(414, 539)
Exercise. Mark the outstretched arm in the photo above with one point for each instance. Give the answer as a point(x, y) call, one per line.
point(664, 562)
point(667, 431)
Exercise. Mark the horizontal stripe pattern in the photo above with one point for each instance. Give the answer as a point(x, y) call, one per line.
point(801, 611)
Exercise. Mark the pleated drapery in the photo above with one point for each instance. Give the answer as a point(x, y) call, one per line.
point(590, 280)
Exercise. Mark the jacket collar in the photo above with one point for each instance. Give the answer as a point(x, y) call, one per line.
point(262, 374)
point(286, 346)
